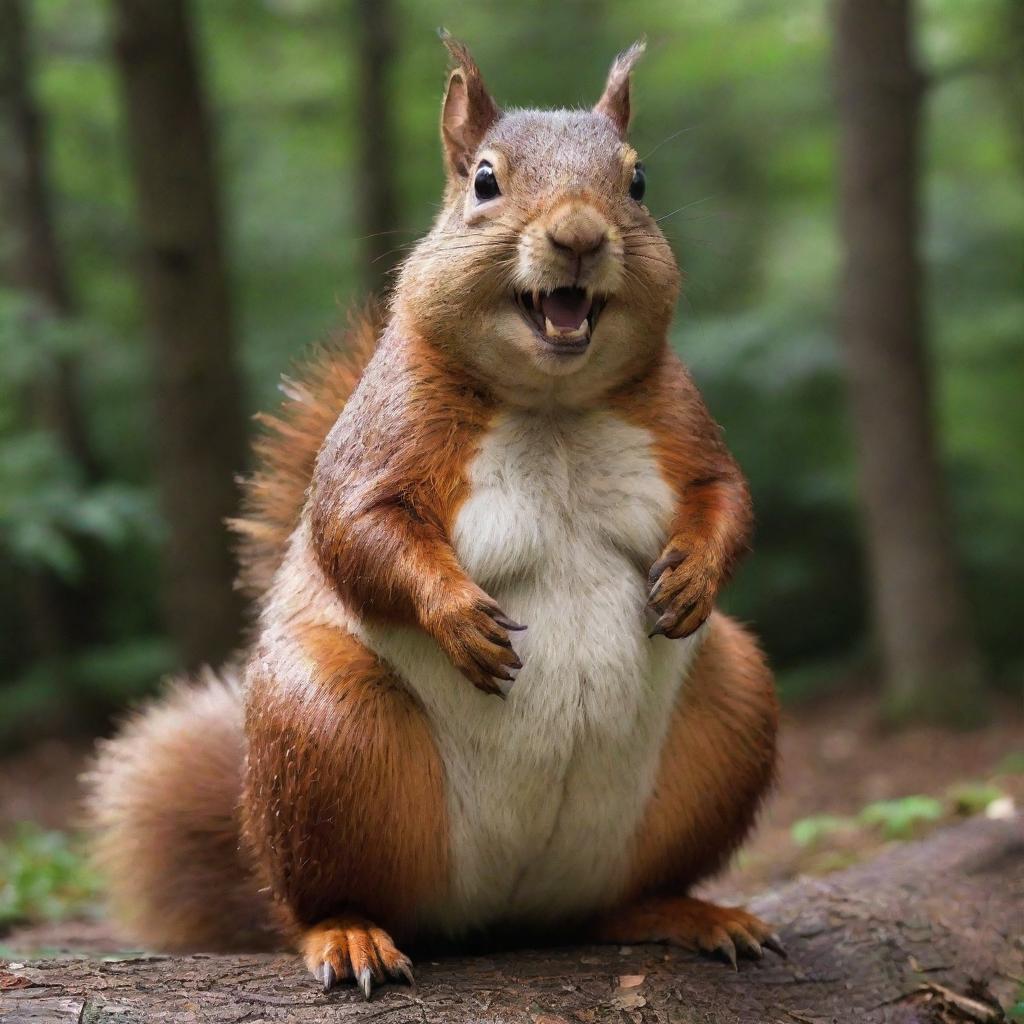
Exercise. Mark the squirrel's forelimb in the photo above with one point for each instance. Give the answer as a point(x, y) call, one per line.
point(711, 527)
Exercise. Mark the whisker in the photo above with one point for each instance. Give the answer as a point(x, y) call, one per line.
point(696, 202)
point(674, 135)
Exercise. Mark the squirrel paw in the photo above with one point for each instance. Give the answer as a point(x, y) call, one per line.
point(474, 632)
point(727, 932)
point(683, 589)
point(351, 948)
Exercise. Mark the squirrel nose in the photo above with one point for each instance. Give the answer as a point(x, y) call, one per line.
point(577, 235)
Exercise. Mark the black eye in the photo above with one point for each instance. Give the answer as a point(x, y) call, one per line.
point(638, 186)
point(485, 184)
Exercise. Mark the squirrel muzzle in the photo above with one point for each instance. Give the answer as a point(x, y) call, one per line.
point(571, 258)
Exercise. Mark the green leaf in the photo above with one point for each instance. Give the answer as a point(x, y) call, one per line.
point(972, 797)
point(43, 876)
point(897, 819)
point(811, 831)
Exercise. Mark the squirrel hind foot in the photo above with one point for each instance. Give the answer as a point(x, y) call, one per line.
point(726, 932)
point(351, 948)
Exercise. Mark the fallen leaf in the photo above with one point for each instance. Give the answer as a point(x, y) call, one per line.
point(11, 981)
point(631, 980)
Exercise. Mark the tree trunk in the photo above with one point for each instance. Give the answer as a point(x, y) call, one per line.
point(927, 932)
point(930, 664)
point(377, 202)
point(199, 426)
point(30, 261)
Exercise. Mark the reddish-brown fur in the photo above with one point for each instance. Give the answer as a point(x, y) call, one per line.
point(344, 802)
point(163, 797)
point(273, 495)
point(381, 509)
point(712, 525)
point(717, 764)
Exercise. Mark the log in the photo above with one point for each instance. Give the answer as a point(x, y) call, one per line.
point(928, 931)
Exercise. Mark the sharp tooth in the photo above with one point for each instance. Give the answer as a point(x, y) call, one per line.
point(536, 298)
point(563, 335)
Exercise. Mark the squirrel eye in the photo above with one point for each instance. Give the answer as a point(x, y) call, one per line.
point(638, 186)
point(485, 184)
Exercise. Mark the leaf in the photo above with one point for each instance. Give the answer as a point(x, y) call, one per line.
point(811, 831)
point(897, 819)
point(972, 797)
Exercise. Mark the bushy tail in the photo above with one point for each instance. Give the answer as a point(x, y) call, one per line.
point(163, 803)
point(273, 495)
point(163, 797)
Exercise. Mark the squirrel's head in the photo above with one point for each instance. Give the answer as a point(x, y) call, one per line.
point(544, 270)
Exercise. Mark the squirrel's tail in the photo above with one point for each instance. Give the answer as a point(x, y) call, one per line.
point(164, 794)
point(286, 450)
point(163, 801)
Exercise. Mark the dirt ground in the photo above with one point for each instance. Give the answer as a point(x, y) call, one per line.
point(835, 760)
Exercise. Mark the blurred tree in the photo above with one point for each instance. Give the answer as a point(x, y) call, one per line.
point(377, 208)
point(930, 663)
point(200, 430)
point(59, 611)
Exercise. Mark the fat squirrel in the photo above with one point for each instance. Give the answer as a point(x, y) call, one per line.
point(488, 688)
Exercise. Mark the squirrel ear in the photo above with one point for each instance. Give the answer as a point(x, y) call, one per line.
point(614, 101)
point(468, 110)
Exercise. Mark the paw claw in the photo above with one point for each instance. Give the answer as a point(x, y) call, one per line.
point(660, 626)
point(728, 949)
point(366, 982)
point(506, 623)
point(748, 945)
point(774, 943)
point(351, 947)
point(328, 977)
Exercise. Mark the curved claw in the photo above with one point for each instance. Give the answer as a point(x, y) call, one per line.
point(405, 969)
point(506, 623)
point(366, 982)
point(328, 977)
point(728, 949)
point(774, 943)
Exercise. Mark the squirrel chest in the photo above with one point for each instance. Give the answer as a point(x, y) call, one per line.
point(545, 789)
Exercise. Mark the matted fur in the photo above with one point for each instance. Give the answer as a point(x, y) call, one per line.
point(163, 803)
point(273, 495)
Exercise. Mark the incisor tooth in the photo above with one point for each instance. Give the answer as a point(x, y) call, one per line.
point(560, 332)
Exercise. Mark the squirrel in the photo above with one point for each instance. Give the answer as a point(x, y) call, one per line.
point(488, 689)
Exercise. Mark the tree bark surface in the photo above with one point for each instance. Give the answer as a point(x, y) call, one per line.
point(377, 206)
point(199, 428)
point(929, 660)
point(864, 945)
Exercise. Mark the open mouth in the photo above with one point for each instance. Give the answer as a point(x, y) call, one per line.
point(564, 318)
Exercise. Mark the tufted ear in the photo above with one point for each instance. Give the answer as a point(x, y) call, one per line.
point(614, 101)
point(467, 112)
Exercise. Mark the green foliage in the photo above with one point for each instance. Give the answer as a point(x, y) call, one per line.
point(898, 819)
point(735, 120)
point(1016, 1011)
point(43, 876)
point(813, 830)
point(972, 797)
point(901, 818)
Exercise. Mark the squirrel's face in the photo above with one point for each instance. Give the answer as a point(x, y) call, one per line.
point(544, 271)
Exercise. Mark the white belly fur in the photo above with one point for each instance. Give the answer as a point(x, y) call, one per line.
point(545, 789)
